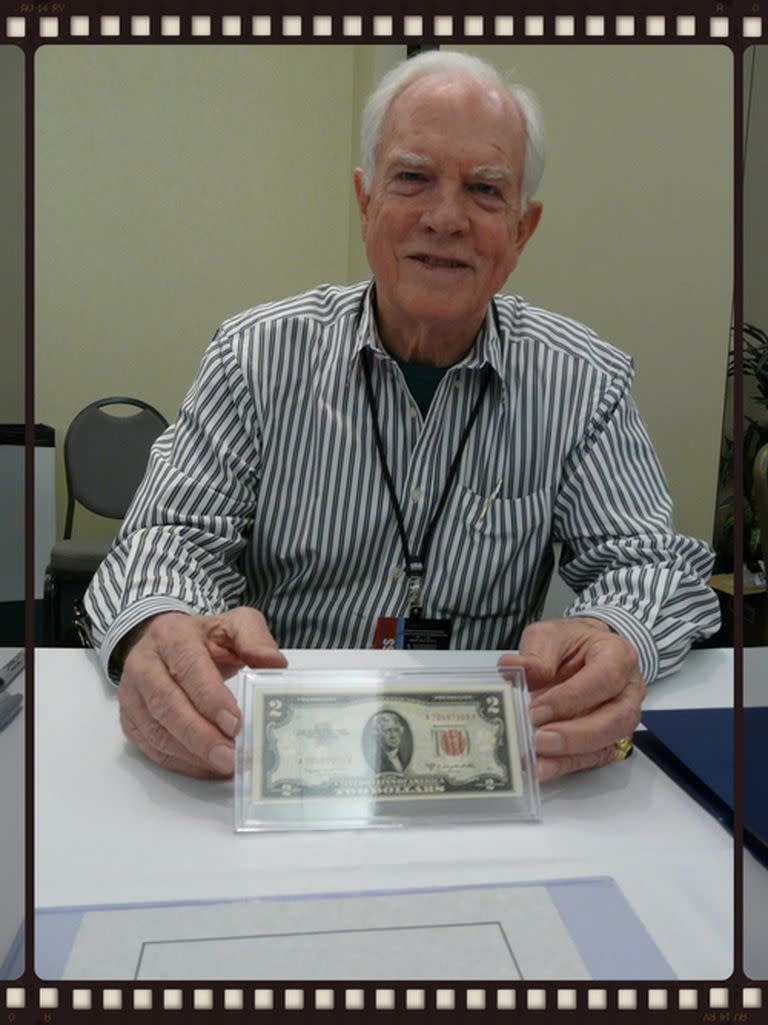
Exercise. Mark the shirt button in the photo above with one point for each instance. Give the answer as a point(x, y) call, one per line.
point(413, 413)
point(397, 573)
point(417, 494)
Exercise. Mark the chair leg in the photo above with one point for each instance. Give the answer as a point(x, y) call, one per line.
point(52, 611)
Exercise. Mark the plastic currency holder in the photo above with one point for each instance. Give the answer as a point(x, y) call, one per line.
point(361, 749)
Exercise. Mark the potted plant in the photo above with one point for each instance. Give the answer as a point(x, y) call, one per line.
point(755, 435)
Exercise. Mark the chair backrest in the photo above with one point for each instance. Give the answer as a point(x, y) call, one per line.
point(760, 490)
point(105, 456)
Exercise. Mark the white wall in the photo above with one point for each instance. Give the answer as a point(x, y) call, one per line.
point(636, 238)
point(756, 204)
point(175, 187)
point(11, 235)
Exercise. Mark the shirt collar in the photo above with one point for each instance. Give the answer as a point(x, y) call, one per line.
point(487, 347)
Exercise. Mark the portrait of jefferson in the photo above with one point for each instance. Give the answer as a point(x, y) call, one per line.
point(387, 742)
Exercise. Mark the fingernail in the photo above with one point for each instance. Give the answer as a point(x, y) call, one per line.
point(540, 714)
point(547, 742)
point(227, 722)
point(222, 758)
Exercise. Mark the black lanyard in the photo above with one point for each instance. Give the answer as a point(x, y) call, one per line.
point(414, 566)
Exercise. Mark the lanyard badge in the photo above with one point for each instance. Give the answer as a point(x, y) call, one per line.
point(411, 632)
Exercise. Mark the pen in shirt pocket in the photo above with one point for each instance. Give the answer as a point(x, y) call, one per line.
point(489, 501)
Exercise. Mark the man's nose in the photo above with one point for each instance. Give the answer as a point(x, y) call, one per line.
point(446, 213)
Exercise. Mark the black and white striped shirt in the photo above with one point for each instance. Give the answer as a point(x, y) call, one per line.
point(268, 490)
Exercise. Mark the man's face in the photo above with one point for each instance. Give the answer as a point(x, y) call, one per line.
point(442, 224)
point(390, 732)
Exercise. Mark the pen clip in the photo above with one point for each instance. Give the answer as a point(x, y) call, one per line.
point(489, 501)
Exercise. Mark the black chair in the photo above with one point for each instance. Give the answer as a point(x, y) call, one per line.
point(105, 457)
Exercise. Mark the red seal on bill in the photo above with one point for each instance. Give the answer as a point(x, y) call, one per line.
point(453, 742)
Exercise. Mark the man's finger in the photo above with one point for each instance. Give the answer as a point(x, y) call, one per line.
point(243, 636)
point(179, 644)
point(181, 695)
point(539, 673)
point(139, 725)
point(610, 664)
point(598, 730)
point(174, 703)
point(552, 650)
point(157, 744)
point(553, 768)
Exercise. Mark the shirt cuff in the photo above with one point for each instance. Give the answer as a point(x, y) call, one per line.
point(130, 618)
point(629, 627)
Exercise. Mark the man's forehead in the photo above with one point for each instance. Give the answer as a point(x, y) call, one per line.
point(455, 90)
point(436, 100)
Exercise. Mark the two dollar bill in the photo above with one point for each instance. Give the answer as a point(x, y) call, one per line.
point(418, 742)
point(385, 744)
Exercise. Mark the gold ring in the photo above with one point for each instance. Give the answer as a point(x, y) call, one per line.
point(622, 749)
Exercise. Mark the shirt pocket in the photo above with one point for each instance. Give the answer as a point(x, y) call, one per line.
point(487, 557)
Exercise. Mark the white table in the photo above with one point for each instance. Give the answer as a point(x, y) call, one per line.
point(111, 828)
point(12, 831)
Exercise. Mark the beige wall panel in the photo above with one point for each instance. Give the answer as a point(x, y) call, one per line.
point(11, 235)
point(756, 205)
point(175, 187)
point(636, 239)
point(756, 187)
point(371, 64)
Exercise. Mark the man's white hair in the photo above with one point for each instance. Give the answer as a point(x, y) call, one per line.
point(448, 63)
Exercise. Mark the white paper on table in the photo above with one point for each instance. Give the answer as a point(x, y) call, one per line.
point(473, 933)
point(560, 929)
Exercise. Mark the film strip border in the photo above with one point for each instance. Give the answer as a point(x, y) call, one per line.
point(50, 1004)
point(39, 1002)
point(40, 22)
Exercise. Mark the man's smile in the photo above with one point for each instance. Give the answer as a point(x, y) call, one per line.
point(440, 262)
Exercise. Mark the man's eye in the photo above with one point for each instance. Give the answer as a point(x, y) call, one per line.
point(485, 189)
point(410, 176)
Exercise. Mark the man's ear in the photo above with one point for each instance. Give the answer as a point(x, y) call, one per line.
point(528, 223)
point(363, 199)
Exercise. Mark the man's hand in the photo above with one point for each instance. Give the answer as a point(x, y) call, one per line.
point(174, 704)
point(586, 688)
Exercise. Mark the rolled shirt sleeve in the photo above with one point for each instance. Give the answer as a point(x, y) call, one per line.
point(621, 553)
point(179, 547)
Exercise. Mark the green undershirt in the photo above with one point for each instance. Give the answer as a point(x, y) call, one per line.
point(422, 382)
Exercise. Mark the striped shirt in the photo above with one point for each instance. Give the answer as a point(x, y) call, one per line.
point(268, 490)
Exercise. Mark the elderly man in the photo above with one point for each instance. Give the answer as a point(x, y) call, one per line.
point(407, 447)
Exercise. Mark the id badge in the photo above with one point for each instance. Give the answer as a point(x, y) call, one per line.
point(409, 632)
